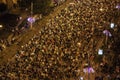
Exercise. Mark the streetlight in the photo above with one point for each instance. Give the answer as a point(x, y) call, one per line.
point(88, 53)
point(31, 23)
point(107, 34)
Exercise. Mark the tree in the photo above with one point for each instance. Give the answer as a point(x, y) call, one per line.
point(3, 7)
point(39, 6)
point(24, 3)
point(42, 6)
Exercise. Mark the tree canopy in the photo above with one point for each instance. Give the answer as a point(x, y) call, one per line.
point(3, 7)
point(39, 6)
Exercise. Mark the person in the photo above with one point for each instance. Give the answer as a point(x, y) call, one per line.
point(117, 77)
point(108, 77)
point(99, 78)
point(56, 2)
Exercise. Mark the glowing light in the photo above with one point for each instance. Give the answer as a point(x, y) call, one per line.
point(118, 6)
point(100, 52)
point(88, 70)
point(31, 19)
point(1, 26)
point(107, 33)
point(81, 78)
point(101, 9)
point(112, 25)
point(20, 18)
point(79, 44)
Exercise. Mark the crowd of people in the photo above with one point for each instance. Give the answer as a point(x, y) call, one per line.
point(22, 26)
point(7, 42)
point(58, 2)
point(61, 48)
